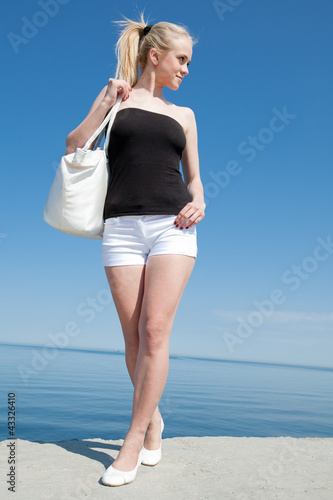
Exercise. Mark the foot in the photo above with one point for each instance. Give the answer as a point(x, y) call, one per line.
point(128, 456)
point(115, 477)
point(153, 456)
point(153, 435)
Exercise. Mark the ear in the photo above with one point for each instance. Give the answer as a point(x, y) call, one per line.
point(154, 56)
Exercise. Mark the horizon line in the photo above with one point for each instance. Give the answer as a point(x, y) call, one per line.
point(118, 351)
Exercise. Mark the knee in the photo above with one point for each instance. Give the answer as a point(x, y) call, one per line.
point(154, 334)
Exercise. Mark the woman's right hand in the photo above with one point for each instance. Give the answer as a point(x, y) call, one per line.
point(115, 88)
point(101, 106)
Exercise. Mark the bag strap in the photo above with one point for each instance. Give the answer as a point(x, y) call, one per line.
point(99, 139)
point(108, 120)
point(112, 117)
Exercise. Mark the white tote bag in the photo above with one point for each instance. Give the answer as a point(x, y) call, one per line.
point(75, 203)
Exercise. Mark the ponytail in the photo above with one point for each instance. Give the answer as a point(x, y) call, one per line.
point(133, 46)
point(127, 50)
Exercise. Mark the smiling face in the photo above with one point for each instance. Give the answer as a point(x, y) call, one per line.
point(173, 65)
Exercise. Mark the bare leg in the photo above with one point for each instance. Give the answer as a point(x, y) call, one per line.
point(165, 279)
point(127, 287)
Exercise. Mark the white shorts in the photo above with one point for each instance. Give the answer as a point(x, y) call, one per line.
point(131, 239)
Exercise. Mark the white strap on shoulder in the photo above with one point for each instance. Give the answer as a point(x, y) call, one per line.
point(112, 117)
point(108, 120)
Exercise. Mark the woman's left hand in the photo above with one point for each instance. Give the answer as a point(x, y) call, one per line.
point(191, 214)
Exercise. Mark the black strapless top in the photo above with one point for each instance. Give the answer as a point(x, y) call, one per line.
point(144, 154)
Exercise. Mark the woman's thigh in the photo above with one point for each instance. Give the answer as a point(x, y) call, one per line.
point(165, 279)
point(127, 287)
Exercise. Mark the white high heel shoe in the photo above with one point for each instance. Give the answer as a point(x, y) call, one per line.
point(115, 477)
point(152, 457)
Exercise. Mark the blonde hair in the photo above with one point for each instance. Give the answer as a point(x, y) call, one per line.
point(133, 46)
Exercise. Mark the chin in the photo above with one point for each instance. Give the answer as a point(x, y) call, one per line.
point(172, 86)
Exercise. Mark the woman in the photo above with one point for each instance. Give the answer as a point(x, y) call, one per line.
point(149, 241)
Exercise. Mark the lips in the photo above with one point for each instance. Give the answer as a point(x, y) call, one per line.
point(180, 78)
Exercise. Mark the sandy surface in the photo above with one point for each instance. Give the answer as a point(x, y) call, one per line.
point(191, 468)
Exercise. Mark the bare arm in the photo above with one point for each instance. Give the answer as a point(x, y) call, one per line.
point(101, 106)
point(194, 211)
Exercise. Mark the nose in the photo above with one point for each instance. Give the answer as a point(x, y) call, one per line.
point(185, 70)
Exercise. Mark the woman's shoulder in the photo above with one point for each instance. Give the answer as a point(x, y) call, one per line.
point(185, 116)
point(185, 111)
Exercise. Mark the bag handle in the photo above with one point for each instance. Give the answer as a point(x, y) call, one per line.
point(112, 117)
point(108, 120)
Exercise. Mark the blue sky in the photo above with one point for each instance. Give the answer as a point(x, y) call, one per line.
point(260, 84)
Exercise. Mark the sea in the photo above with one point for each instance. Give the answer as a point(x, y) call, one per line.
point(59, 394)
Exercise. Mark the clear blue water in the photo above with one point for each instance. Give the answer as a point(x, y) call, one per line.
point(85, 394)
